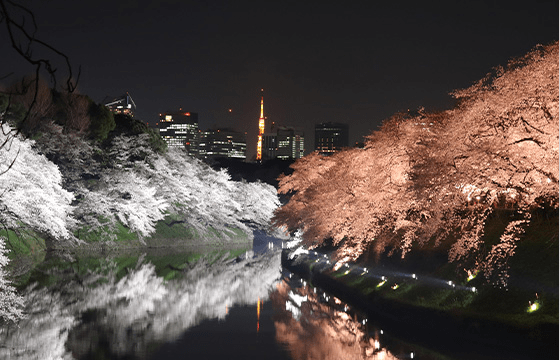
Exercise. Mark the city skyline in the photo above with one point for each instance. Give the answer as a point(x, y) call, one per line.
point(356, 64)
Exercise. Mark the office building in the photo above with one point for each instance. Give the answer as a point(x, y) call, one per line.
point(180, 129)
point(226, 143)
point(330, 137)
point(286, 143)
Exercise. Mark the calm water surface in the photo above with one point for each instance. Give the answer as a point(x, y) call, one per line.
point(210, 305)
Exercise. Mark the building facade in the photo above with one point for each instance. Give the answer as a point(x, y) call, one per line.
point(120, 105)
point(226, 143)
point(180, 129)
point(286, 143)
point(330, 137)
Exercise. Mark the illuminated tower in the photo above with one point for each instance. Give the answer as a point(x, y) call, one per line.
point(261, 129)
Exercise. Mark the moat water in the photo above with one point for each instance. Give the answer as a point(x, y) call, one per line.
point(212, 304)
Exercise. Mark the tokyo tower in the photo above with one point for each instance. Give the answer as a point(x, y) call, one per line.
point(261, 129)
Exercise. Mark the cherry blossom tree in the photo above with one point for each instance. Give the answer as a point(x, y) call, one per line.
point(11, 304)
point(358, 198)
point(31, 195)
point(138, 187)
point(21, 27)
point(505, 136)
point(427, 177)
point(32, 192)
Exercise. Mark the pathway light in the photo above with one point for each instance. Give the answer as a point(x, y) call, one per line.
point(533, 306)
point(472, 275)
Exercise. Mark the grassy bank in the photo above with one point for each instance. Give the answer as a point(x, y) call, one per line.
point(27, 248)
point(170, 232)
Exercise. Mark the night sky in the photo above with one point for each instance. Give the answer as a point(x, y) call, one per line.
point(349, 63)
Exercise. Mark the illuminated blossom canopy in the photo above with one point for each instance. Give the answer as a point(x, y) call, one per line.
point(425, 177)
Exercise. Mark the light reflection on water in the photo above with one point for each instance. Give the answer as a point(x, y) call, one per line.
point(215, 308)
point(91, 312)
point(313, 325)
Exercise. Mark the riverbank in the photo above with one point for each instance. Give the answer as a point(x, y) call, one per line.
point(27, 248)
point(430, 310)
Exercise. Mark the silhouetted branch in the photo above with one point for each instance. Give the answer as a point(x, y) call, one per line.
point(23, 40)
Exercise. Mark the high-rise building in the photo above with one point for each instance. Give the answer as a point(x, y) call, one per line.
point(330, 137)
point(180, 129)
point(120, 105)
point(261, 129)
point(225, 143)
point(286, 143)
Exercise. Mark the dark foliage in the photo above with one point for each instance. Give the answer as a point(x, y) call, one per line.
point(267, 172)
point(101, 123)
point(127, 125)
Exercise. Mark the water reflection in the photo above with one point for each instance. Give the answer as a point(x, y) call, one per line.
point(313, 325)
point(99, 310)
point(96, 313)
